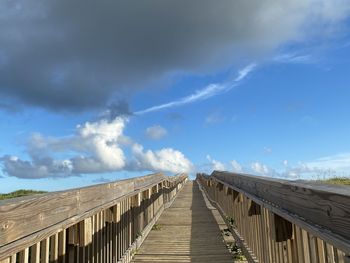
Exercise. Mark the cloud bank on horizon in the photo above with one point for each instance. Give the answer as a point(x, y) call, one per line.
point(96, 147)
point(75, 56)
point(337, 165)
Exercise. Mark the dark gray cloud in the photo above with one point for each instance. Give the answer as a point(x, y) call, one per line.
point(9, 107)
point(73, 55)
point(119, 108)
point(36, 168)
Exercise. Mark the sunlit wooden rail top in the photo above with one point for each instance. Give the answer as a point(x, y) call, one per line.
point(102, 223)
point(283, 221)
point(160, 218)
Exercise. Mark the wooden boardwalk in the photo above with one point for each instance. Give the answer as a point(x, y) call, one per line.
point(279, 221)
point(187, 232)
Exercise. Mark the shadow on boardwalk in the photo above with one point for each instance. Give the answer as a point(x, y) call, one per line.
point(187, 232)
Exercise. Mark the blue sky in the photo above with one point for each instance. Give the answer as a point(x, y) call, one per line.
point(266, 98)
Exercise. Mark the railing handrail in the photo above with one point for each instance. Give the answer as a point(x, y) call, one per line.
point(323, 210)
point(138, 181)
point(23, 220)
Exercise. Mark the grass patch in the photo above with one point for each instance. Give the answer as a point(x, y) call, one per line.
point(20, 193)
point(337, 181)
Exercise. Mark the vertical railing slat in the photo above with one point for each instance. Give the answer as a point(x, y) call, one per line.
point(24, 256)
point(62, 246)
point(45, 250)
point(103, 237)
point(54, 248)
point(35, 253)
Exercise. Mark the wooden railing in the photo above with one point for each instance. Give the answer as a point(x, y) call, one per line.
point(283, 221)
point(102, 223)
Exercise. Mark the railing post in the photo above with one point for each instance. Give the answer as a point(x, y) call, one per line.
point(96, 224)
point(275, 217)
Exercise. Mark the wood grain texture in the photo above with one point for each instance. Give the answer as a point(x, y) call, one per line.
point(323, 206)
point(35, 253)
point(27, 221)
point(21, 218)
point(188, 232)
point(280, 236)
point(45, 250)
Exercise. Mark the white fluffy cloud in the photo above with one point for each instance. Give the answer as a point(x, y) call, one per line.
point(216, 165)
point(329, 166)
point(236, 166)
point(101, 139)
point(96, 147)
point(325, 167)
point(166, 159)
point(260, 168)
point(156, 132)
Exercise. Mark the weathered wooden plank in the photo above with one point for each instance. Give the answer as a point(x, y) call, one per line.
point(54, 248)
point(45, 250)
point(136, 200)
point(327, 207)
point(22, 226)
point(6, 260)
point(188, 233)
point(35, 253)
point(283, 229)
point(339, 256)
point(330, 253)
point(21, 218)
point(24, 256)
point(62, 246)
point(142, 182)
point(320, 251)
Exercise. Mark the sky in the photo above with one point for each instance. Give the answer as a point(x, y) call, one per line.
point(97, 91)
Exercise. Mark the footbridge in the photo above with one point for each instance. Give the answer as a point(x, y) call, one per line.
point(222, 217)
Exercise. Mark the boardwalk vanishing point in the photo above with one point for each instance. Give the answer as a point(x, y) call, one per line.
point(186, 232)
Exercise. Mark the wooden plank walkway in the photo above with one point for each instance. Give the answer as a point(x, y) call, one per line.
point(188, 232)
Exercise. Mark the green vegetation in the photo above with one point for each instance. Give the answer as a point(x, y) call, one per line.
point(232, 247)
point(237, 253)
point(337, 180)
point(20, 193)
point(156, 227)
point(230, 221)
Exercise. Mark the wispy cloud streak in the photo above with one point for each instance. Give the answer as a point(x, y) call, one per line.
point(293, 58)
point(203, 94)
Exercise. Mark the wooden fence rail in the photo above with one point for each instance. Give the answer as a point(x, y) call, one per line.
point(102, 223)
point(279, 221)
